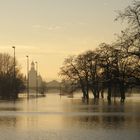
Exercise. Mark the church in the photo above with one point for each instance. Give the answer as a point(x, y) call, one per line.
point(35, 80)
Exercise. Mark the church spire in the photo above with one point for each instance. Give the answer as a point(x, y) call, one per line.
point(32, 65)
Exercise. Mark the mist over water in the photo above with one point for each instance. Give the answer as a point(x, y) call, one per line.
point(62, 118)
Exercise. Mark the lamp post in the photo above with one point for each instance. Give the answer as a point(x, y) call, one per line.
point(36, 78)
point(14, 73)
point(27, 76)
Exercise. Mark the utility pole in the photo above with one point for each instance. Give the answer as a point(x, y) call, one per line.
point(36, 79)
point(27, 77)
point(14, 74)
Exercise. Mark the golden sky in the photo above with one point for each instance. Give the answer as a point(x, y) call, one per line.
point(50, 30)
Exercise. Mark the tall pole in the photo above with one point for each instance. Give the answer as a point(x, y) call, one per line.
point(36, 78)
point(14, 75)
point(27, 77)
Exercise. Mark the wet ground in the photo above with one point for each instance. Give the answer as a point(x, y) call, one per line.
point(62, 118)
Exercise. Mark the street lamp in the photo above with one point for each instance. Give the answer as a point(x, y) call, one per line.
point(14, 75)
point(27, 76)
point(36, 78)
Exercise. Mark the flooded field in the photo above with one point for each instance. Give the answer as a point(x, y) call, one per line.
point(62, 118)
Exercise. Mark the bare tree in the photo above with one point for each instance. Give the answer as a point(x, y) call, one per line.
point(70, 71)
point(9, 86)
point(131, 14)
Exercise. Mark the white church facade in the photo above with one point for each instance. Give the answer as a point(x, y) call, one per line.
point(35, 80)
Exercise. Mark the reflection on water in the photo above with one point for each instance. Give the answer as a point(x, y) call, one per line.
point(54, 118)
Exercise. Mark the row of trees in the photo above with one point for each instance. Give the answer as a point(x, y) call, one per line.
point(112, 67)
point(11, 80)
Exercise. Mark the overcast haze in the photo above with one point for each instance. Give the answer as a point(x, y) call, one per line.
point(50, 30)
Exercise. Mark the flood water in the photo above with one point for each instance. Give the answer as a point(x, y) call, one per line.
point(62, 118)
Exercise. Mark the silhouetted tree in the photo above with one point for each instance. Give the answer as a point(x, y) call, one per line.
point(114, 67)
point(131, 14)
point(10, 85)
point(130, 40)
point(70, 71)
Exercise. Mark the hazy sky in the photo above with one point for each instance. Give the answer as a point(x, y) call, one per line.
point(50, 30)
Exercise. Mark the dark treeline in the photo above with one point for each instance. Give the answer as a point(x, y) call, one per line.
point(112, 67)
point(11, 81)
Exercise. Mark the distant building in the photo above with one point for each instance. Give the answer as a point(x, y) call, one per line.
point(53, 86)
point(34, 80)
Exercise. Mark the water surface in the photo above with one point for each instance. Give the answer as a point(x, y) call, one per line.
point(61, 118)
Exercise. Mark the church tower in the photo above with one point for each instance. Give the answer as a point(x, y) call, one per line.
point(32, 76)
point(34, 79)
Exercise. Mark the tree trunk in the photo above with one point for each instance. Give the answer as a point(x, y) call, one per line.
point(109, 92)
point(122, 91)
point(93, 91)
point(102, 93)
